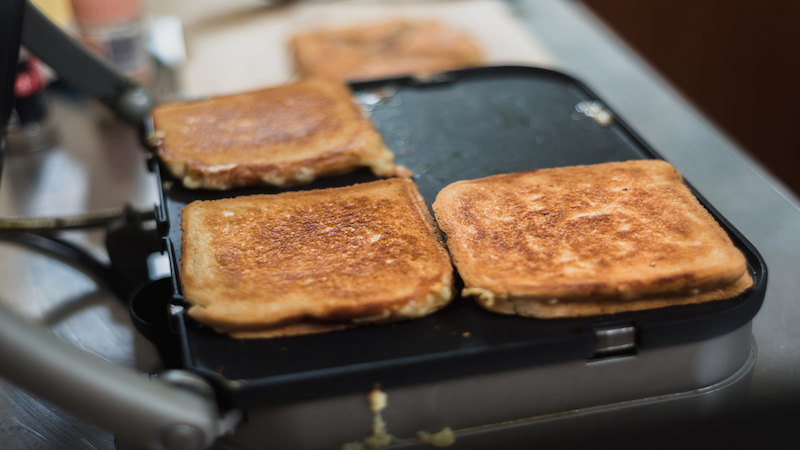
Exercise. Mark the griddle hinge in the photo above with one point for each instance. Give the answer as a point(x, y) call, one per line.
point(617, 340)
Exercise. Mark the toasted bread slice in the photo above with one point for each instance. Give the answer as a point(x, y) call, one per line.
point(367, 253)
point(290, 134)
point(386, 49)
point(610, 233)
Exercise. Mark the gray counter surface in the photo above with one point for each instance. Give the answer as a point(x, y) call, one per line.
point(100, 164)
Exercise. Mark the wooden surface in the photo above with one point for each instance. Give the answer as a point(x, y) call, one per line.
point(736, 60)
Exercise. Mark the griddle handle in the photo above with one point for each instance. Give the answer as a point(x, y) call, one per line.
point(149, 413)
point(83, 70)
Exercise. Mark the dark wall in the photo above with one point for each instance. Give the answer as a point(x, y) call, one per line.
point(737, 60)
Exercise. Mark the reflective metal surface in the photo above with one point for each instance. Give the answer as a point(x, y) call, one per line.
point(99, 164)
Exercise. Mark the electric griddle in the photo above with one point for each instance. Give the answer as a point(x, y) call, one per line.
point(461, 367)
point(459, 125)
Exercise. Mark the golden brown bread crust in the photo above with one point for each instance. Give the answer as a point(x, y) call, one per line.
point(366, 253)
point(392, 48)
point(607, 232)
point(558, 309)
point(285, 135)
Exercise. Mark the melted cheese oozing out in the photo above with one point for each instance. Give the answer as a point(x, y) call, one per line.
point(443, 438)
point(381, 438)
point(377, 400)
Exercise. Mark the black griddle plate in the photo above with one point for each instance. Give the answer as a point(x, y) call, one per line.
point(460, 125)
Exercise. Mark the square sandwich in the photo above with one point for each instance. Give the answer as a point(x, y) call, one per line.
point(309, 261)
point(384, 49)
point(285, 135)
point(587, 240)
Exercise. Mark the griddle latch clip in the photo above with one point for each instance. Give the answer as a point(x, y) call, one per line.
point(618, 340)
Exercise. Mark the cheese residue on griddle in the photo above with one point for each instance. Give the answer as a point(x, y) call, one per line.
point(377, 400)
point(443, 438)
point(380, 437)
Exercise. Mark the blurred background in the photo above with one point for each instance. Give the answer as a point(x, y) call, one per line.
point(736, 60)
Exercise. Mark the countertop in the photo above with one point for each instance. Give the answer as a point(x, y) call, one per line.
point(100, 164)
